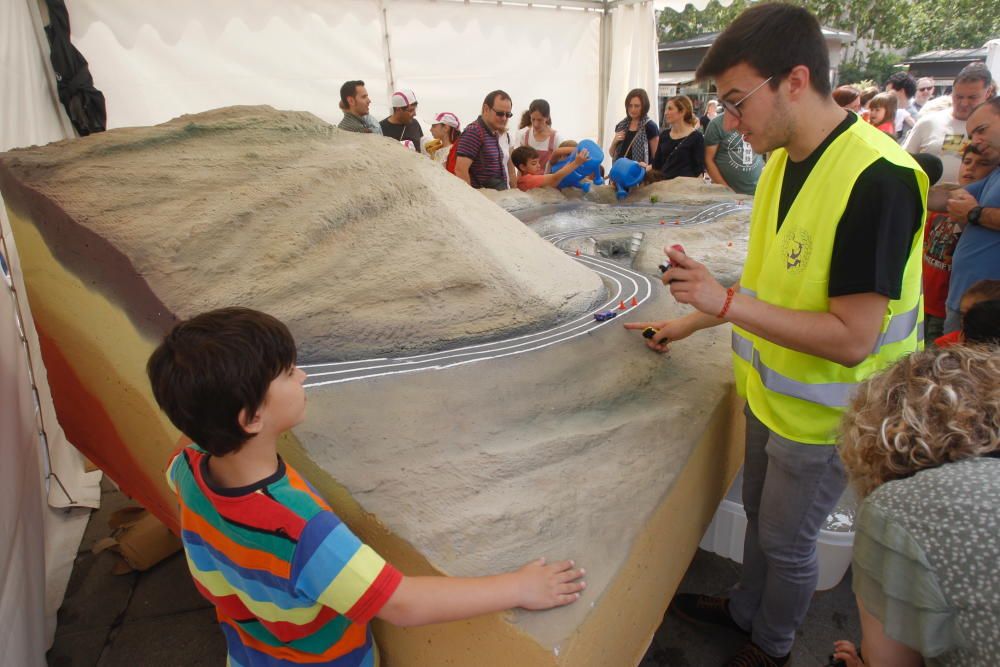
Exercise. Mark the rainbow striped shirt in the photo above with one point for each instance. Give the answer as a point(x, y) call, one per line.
point(290, 582)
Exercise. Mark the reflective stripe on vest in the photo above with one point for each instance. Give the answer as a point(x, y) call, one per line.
point(830, 394)
point(899, 329)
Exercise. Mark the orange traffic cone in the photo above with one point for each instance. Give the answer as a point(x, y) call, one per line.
point(662, 221)
point(677, 221)
point(621, 305)
point(635, 302)
point(577, 252)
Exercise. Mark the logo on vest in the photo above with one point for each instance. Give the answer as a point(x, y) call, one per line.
point(796, 246)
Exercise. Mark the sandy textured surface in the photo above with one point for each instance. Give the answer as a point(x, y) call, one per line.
point(595, 449)
point(362, 247)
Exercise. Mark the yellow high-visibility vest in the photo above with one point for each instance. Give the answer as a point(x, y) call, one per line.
point(797, 395)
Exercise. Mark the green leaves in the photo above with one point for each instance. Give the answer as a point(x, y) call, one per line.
point(915, 25)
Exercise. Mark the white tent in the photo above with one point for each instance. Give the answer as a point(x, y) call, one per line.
point(155, 61)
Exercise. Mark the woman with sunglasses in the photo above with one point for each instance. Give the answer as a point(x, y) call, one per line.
point(636, 136)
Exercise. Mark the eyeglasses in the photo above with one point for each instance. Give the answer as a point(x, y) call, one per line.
point(502, 114)
point(733, 107)
point(927, 88)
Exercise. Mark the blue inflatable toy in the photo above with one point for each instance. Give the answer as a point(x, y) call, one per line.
point(592, 167)
point(626, 174)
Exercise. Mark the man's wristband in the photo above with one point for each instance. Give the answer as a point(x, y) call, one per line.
point(974, 214)
point(730, 293)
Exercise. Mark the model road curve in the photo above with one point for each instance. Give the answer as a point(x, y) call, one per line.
point(626, 286)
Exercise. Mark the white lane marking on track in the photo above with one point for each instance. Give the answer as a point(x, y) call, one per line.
point(641, 285)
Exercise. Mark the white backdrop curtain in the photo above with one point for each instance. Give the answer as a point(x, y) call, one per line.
point(155, 61)
point(634, 63)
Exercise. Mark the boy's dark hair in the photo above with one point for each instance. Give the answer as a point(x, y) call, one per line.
point(349, 89)
point(903, 81)
point(213, 366)
point(981, 323)
point(492, 97)
point(970, 148)
point(973, 72)
point(986, 290)
point(520, 155)
point(771, 38)
point(643, 99)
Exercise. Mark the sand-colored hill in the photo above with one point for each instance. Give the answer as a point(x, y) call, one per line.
point(378, 251)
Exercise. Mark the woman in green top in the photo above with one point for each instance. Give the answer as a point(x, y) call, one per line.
point(921, 444)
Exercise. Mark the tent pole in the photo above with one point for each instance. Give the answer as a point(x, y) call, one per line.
point(390, 80)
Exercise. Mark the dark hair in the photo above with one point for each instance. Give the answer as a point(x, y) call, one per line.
point(971, 148)
point(991, 102)
point(520, 155)
point(213, 366)
point(974, 72)
point(844, 95)
point(981, 323)
point(539, 106)
point(491, 98)
point(867, 94)
point(984, 289)
point(772, 38)
point(903, 81)
point(643, 99)
point(930, 164)
point(349, 89)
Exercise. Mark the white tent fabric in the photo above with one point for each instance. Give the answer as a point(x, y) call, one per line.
point(42, 479)
point(634, 64)
point(29, 109)
point(295, 55)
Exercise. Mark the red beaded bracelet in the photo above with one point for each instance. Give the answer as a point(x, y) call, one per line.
point(729, 301)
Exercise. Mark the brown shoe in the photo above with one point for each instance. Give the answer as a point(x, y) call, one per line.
point(752, 655)
point(704, 609)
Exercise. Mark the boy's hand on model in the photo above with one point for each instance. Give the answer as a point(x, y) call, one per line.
point(545, 585)
point(581, 157)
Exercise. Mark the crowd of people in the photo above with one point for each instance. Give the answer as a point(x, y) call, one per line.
point(483, 153)
point(826, 336)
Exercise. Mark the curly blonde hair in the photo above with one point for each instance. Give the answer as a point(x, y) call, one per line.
point(930, 408)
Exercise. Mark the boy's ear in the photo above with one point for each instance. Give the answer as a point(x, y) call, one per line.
point(251, 425)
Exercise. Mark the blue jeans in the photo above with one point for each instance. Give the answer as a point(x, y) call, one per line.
point(789, 489)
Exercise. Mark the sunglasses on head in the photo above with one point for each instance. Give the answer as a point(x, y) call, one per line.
point(502, 114)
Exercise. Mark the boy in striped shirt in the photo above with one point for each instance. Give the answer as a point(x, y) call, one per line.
point(290, 582)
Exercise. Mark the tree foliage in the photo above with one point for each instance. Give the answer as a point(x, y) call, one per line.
point(915, 25)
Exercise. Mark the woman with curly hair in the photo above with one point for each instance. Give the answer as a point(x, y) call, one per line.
point(921, 445)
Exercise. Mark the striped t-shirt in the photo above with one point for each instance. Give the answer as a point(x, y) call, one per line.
point(290, 582)
point(481, 145)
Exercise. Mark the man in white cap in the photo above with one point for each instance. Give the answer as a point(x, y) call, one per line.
point(402, 123)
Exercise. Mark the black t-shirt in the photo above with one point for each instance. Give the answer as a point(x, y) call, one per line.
point(411, 131)
point(875, 233)
point(680, 157)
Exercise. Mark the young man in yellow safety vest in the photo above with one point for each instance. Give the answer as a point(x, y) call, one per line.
point(830, 293)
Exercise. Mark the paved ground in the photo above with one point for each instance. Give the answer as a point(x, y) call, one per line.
point(157, 619)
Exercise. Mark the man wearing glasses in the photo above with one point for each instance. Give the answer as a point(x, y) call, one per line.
point(942, 133)
point(925, 91)
point(830, 293)
point(481, 160)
